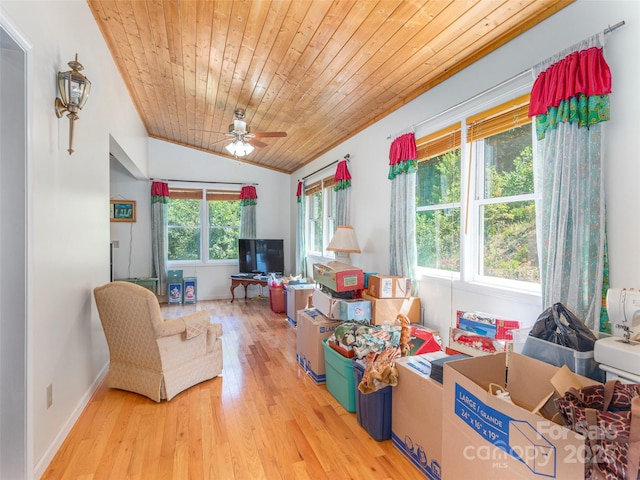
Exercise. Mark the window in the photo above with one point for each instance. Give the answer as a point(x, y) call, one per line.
point(504, 206)
point(201, 220)
point(483, 226)
point(320, 215)
point(438, 200)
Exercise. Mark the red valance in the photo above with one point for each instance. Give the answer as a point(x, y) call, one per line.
point(402, 149)
point(248, 192)
point(159, 192)
point(584, 72)
point(160, 188)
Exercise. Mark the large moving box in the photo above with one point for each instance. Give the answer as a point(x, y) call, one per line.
point(485, 436)
point(416, 416)
point(312, 328)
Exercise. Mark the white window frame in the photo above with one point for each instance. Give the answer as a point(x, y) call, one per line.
point(204, 233)
point(328, 199)
point(469, 202)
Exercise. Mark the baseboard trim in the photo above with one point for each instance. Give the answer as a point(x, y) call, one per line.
point(45, 460)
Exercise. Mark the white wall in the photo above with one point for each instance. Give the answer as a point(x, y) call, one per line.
point(369, 152)
point(68, 200)
point(170, 161)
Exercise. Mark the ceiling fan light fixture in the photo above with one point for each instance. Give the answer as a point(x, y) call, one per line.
point(239, 148)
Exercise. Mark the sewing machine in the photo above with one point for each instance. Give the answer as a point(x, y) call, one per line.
point(619, 355)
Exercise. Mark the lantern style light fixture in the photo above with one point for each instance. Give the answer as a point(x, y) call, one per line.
point(74, 90)
point(239, 148)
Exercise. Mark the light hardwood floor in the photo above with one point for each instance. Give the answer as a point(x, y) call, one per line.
point(263, 418)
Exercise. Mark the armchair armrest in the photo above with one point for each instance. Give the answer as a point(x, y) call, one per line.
point(194, 321)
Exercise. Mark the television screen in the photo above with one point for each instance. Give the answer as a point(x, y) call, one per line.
point(260, 256)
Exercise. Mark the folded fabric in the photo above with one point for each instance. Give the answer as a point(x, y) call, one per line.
point(193, 327)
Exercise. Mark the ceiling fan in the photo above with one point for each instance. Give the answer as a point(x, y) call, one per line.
point(243, 139)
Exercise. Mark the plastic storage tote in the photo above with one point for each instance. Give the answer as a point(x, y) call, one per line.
point(581, 363)
point(373, 410)
point(339, 376)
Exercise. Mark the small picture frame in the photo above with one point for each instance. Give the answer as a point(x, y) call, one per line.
point(123, 210)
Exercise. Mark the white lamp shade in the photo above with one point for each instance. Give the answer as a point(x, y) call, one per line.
point(344, 240)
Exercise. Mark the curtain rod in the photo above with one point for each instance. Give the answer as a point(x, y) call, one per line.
point(347, 157)
point(199, 181)
point(607, 30)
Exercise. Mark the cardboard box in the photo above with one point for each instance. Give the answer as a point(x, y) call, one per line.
point(486, 324)
point(297, 299)
point(341, 309)
point(312, 328)
point(416, 416)
point(387, 309)
point(389, 286)
point(488, 437)
point(338, 276)
point(475, 345)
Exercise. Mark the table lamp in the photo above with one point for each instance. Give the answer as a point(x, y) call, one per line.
point(343, 243)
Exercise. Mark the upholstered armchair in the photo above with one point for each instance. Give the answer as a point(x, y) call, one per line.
point(151, 356)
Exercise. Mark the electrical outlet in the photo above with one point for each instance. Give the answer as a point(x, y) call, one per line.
point(116, 244)
point(49, 395)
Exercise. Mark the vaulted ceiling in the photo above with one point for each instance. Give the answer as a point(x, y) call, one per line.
point(319, 70)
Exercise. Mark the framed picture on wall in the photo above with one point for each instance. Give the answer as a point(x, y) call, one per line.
point(123, 210)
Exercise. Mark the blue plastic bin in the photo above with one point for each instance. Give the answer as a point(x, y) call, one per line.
point(373, 410)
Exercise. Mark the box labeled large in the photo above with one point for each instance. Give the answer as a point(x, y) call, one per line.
point(338, 276)
point(297, 299)
point(416, 416)
point(485, 436)
point(312, 328)
point(387, 309)
point(389, 286)
point(341, 309)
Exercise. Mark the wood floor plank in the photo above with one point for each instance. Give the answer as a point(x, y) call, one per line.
point(263, 418)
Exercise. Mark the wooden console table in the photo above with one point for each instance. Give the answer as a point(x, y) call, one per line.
point(235, 281)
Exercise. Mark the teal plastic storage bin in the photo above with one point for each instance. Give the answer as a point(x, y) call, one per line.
point(373, 410)
point(340, 380)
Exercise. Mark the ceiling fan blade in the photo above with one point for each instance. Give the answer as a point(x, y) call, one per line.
point(270, 134)
point(256, 143)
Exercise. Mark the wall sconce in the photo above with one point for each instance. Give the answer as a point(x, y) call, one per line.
point(344, 242)
point(74, 89)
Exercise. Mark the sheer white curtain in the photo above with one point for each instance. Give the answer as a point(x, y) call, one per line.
point(301, 257)
point(570, 100)
point(402, 173)
point(159, 247)
point(248, 202)
point(342, 187)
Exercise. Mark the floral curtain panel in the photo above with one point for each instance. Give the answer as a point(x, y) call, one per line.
point(248, 202)
point(301, 263)
point(403, 165)
point(570, 100)
point(159, 248)
point(342, 187)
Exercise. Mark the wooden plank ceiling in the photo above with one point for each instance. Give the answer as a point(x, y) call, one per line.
point(319, 70)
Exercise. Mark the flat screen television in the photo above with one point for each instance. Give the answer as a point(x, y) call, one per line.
point(261, 256)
